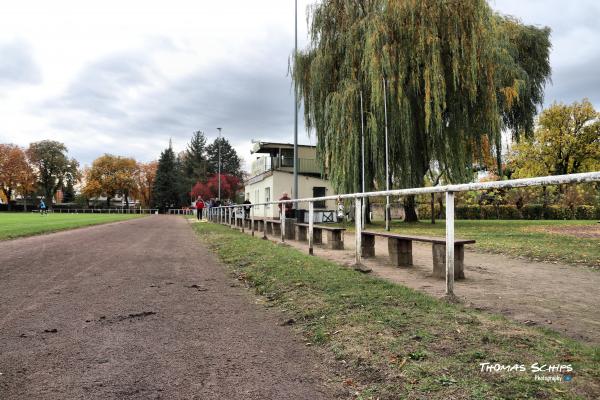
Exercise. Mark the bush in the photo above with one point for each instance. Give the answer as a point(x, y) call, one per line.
point(532, 211)
point(509, 212)
point(585, 212)
point(468, 212)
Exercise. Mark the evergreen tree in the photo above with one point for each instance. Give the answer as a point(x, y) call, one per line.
point(166, 191)
point(194, 158)
point(230, 161)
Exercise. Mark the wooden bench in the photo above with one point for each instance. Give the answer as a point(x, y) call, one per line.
point(400, 251)
point(335, 235)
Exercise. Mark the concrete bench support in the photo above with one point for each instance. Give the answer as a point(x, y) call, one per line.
point(368, 245)
point(439, 260)
point(318, 235)
point(400, 252)
point(301, 233)
point(335, 240)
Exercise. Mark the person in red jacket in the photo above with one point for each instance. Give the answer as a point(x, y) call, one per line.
point(288, 206)
point(199, 207)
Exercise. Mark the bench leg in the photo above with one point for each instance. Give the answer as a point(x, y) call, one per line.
point(368, 245)
point(400, 252)
point(317, 235)
point(301, 233)
point(290, 230)
point(439, 261)
point(276, 228)
point(335, 240)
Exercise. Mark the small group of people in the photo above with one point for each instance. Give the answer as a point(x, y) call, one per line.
point(247, 206)
point(201, 205)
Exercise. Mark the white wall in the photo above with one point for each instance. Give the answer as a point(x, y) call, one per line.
point(281, 182)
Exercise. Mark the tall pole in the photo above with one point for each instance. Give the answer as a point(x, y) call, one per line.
point(362, 147)
point(362, 141)
point(295, 194)
point(219, 173)
point(387, 160)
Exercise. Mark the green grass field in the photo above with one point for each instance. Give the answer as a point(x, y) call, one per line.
point(13, 225)
point(564, 241)
point(388, 341)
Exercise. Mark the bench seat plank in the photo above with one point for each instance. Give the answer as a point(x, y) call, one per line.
point(417, 238)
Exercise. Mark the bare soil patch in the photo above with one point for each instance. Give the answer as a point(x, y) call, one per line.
point(592, 232)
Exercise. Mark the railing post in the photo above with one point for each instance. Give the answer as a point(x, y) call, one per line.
point(449, 243)
point(243, 220)
point(252, 219)
point(282, 218)
point(358, 230)
point(311, 217)
point(358, 221)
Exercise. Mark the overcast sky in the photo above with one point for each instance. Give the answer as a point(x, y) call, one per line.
point(122, 77)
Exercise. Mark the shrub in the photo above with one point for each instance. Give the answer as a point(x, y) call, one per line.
point(468, 212)
point(585, 212)
point(532, 211)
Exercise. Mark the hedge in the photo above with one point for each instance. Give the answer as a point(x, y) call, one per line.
point(529, 211)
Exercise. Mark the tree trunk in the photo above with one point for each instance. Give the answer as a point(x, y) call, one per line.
point(25, 202)
point(8, 196)
point(410, 214)
point(127, 199)
point(107, 201)
point(433, 208)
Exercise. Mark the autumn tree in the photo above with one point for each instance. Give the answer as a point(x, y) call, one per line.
point(454, 72)
point(231, 162)
point(144, 178)
point(566, 141)
point(16, 174)
point(110, 175)
point(51, 164)
point(230, 186)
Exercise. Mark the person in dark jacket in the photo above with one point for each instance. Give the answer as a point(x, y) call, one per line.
point(247, 208)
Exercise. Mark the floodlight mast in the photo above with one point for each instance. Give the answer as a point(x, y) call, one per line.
point(219, 168)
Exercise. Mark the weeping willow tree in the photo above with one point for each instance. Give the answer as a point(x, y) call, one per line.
point(455, 72)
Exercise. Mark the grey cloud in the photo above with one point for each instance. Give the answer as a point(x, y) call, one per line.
point(575, 82)
point(99, 87)
point(17, 65)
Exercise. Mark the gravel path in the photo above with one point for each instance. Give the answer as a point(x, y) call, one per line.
point(140, 310)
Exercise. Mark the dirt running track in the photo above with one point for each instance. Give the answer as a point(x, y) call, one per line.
point(107, 312)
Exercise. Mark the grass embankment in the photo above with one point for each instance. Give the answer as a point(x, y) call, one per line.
point(13, 225)
point(388, 341)
point(563, 241)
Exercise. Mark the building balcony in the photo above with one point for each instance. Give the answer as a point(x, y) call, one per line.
point(266, 163)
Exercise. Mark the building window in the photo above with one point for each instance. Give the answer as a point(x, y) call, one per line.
point(267, 196)
point(319, 191)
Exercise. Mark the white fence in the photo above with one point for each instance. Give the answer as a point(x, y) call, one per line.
point(224, 213)
point(104, 211)
point(181, 211)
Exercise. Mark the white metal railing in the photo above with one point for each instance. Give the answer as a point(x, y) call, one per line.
point(103, 210)
point(181, 211)
point(224, 213)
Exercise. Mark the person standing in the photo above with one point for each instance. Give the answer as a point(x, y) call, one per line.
point(247, 208)
point(288, 206)
point(199, 208)
point(43, 208)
